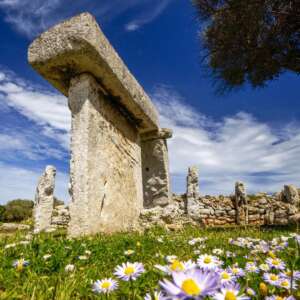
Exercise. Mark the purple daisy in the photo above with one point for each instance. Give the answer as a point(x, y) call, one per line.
point(193, 283)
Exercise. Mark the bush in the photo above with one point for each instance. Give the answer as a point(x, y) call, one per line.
point(18, 210)
point(2, 211)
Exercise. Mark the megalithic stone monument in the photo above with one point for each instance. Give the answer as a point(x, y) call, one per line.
point(155, 165)
point(192, 189)
point(44, 200)
point(110, 112)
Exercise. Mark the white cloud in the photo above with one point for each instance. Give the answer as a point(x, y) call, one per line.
point(18, 182)
point(31, 17)
point(153, 10)
point(48, 110)
point(235, 148)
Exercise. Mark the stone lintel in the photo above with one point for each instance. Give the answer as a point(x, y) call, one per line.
point(163, 133)
point(78, 46)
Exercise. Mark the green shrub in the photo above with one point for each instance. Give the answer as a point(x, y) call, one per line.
point(2, 211)
point(18, 210)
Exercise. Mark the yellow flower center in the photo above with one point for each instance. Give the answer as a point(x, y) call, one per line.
point(19, 266)
point(278, 298)
point(177, 266)
point(272, 255)
point(190, 287)
point(275, 262)
point(225, 275)
point(288, 273)
point(273, 277)
point(207, 260)
point(235, 270)
point(284, 283)
point(106, 285)
point(230, 295)
point(129, 270)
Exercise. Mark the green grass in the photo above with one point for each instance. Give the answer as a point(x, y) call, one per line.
point(47, 279)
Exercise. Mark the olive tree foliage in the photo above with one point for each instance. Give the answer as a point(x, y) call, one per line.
point(249, 41)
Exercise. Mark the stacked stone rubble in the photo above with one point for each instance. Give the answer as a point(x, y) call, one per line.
point(259, 209)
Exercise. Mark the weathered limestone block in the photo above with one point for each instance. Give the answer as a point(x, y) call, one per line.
point(241, 204)
point(106, 177)
point(192, 192)
point(12, 227)
point(44, 200)
point(290, 195)
point(60, 216)
point(155, 168)
point(110, 111)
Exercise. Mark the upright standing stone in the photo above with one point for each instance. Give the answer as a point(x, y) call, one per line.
point(110, 111)
point(44, 200)
point(192, 192)
point(241, 204)
point(155, 166)
point(290, 195)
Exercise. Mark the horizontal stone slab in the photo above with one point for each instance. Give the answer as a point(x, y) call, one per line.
point(163, 133)
point(79, 46)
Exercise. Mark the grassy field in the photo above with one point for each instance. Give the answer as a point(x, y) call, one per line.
point(59, 268)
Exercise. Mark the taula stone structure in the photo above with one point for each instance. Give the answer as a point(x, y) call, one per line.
point(44, 200)
point(241, 205)
point(155, 166)
point(111, 114)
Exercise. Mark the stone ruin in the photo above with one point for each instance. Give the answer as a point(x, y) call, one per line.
point(119, 159)
point(241, 205)
point(119, 169)
point(44, 200)
point(237, 209)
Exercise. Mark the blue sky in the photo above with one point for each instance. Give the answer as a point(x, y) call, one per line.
point(249, 135)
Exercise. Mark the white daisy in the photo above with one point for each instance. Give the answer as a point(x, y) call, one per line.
point(105, 286)
point(69, 268)
point(176, 266)
point(230, 293)
point(275, 263)
point(271, 278)
point(129, 271)
point(208, 262)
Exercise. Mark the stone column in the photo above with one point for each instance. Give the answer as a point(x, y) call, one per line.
point(155, 168)
point(192, 190)
point(241, 204)
point(106, 183)
point(44, 200)
point(110, 112)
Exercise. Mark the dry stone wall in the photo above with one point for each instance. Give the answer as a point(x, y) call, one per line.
point(237, 209)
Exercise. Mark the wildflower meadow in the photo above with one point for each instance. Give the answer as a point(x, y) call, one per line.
point(220, 264)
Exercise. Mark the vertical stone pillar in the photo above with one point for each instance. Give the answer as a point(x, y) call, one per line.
point(192, 190)
point(155, 168)
point(106, 179)
point(241, 204)
point(44, 200)
point(290, 195)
